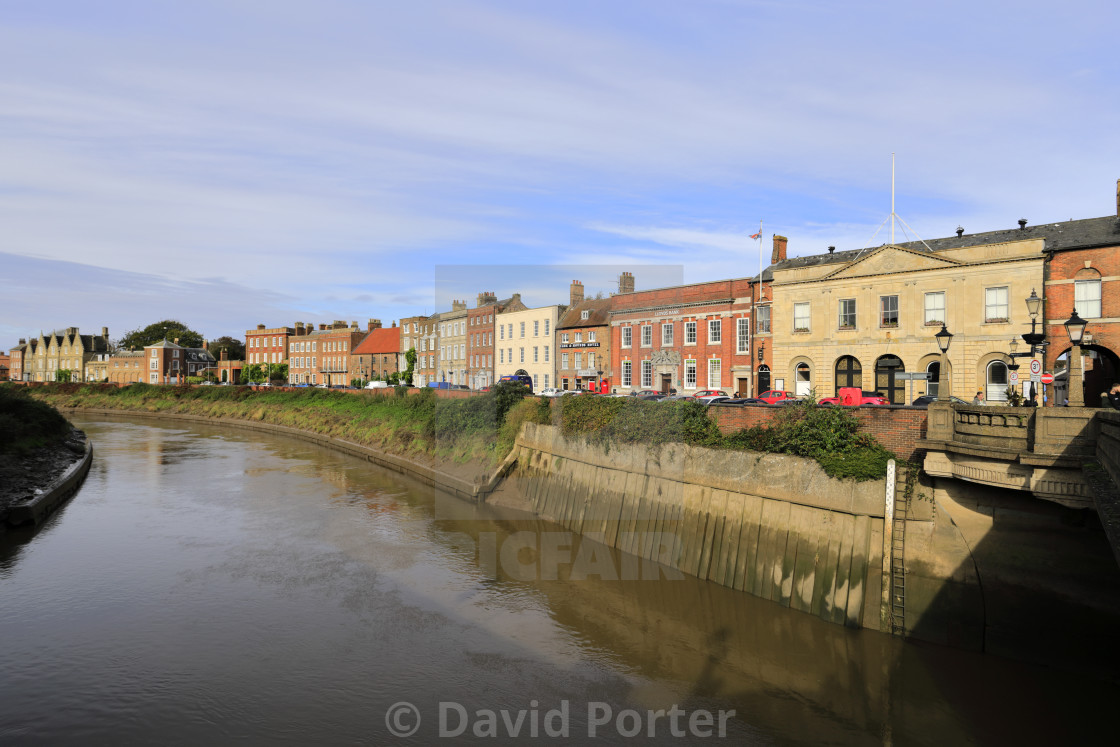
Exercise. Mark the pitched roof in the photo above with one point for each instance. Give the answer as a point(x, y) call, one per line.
point(600, 314)
point(378, 341)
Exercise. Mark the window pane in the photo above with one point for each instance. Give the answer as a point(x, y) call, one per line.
point(801, 317)
point(1087, 298)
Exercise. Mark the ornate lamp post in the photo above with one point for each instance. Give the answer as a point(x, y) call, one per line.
point(944, 337)
point(1075, 328)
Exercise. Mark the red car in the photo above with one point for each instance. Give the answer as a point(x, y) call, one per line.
point(856, 399)
point(774, 396)
point(709, 393)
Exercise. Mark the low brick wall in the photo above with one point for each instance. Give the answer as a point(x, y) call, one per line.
point(897, 428)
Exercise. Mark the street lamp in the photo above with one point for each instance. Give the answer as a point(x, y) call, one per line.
point(600, 387)
point(1075, 328)
point(944, 337)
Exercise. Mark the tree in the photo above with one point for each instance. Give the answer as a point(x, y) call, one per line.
point(256, 373)
point(63, 375)
point(234, 348)
point(168, 329)
point(410, 359)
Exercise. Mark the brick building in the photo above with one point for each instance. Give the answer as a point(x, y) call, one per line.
point(686, 337)
point(126, 367)
point(480, 336)
point(584, 341)
point(16, 356)
point(267, 344)
point(322, 356)
point(169, 363)
point(1083, 273)
point(378, 355)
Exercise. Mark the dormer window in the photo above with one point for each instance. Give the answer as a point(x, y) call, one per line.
point(585, 314)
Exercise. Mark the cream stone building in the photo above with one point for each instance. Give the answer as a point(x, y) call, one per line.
point(525, 340)
point(64, 350)
point(452, 364)
point(867, 318)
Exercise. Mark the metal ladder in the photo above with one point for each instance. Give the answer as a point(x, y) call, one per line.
point(898, 566)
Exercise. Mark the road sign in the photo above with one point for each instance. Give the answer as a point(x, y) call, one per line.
point(1047, 378)
point(1014, 377)
point(1036, 378)
point(1036, 368)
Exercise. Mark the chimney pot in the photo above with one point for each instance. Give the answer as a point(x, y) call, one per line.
point(1022, 224)
point(260, 326)
point(960, 231)
point(831, 249)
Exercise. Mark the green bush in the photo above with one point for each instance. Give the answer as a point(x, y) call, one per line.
point(26, 423)
point(830, 435)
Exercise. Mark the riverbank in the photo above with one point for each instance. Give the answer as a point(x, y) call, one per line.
point(38, 447)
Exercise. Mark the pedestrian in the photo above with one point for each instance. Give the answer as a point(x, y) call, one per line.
point(978, 399)
point(1114, 396)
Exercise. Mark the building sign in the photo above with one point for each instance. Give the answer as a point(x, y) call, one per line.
point(566, 345)
point(587, 372)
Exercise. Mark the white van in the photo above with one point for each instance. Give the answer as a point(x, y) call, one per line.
point(377, 385)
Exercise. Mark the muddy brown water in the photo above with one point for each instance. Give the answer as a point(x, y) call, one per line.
point(210, 585)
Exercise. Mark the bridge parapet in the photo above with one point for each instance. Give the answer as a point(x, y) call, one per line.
point(1040, 450)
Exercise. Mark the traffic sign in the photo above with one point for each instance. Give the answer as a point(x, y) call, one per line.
point(1036, 378)
point(1036, 367)
point(1047, 378)
point(1014, 377)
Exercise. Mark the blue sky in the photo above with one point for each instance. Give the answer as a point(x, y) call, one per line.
point(235, 162)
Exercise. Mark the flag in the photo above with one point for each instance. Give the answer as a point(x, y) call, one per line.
point(756, 235)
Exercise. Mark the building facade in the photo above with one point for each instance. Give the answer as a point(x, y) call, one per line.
point(866, 318)
point(169, 363)
point(378, 355)
point(525, 341)
point(684, 338)
point(268, 344)
point(453, 345)
point(584, 342)
point(322, 356)
point(62, 351)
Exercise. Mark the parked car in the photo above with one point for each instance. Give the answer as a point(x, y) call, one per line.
point(926, 399)
point(774, 396)
point(656, 397)
point(714, 399)
point(523, 379)
point(208, 383)
point(551, 391)
point(644, 392)
point(745, 401)
point(570, 392)
point(709, 393)
point(377, 385)
point(866, 398)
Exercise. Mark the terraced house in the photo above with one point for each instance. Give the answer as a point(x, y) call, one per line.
point(583, 341)
point(525, 341)
point(61, 354)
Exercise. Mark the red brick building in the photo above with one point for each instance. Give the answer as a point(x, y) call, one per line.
point(1083, 272)
point(378, 354)
point(687, 338)
point(322, 356)
point(583, 349)
point(267, 344)
point(169, 363)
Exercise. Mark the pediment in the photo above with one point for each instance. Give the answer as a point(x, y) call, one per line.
point(887, 260)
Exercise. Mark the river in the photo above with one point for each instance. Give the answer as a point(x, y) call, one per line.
point(213, 585)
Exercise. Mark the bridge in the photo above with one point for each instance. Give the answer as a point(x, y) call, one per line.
point(1068, 455)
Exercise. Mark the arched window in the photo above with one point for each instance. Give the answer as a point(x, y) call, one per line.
point(886, 381)
point(849, 373)
point(763, 378)
point(996, 379)
point(933, 383)
point(802, 380)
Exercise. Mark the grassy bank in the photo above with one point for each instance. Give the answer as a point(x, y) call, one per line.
point(420, 425)
point(830, 435)
point(27, 423)
point(482, 428)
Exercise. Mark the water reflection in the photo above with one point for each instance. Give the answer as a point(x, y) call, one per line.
point(211, 584)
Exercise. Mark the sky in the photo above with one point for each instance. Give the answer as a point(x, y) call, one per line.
point(234, 162)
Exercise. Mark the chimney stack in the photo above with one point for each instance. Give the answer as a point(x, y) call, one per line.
point(626, 282)
point(487, 297)
point(375, 324)
point(260, 326)
point(225, 354)
point(831, 249)
point(576, 292)
point(176, 340)
point(1118, 196)
point(1022, 224)
point(960, 231)
point(105, 332)
point(779, 254)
